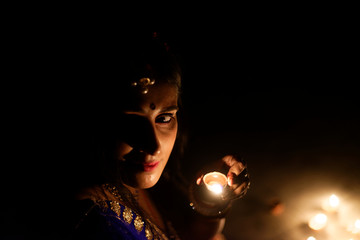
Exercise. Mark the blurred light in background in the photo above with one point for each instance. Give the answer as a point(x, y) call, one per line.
point(336, 221)
point(318, 221)
point(332, 203)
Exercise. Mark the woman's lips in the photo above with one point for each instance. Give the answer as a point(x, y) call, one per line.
point(148, 167)
point(139, 161)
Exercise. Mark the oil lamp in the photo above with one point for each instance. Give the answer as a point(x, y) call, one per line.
point(215, 182)
point(210, 196)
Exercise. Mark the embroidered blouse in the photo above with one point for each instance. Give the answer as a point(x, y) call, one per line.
point(108, 217)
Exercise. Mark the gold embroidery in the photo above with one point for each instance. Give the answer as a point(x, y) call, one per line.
point(124, 213)
point(148, 233)
point(113, 190)
point(127, 215)
point(156, 234)
point(115, 207)
point(138, 223)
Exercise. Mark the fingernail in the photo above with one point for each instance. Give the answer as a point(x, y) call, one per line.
point(230, 181)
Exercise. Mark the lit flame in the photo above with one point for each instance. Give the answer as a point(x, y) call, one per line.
point(215, 182)
point(215, 187)
point(311, 238)
point(318, 221)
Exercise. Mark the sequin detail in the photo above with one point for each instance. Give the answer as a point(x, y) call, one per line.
point(115, 207)
point(127, 215)
point(148, 233)
point(142, 226)
point(138, 223)
point(114, 191)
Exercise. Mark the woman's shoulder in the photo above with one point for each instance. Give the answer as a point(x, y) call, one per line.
point(97, 201)
point(91, 213)
point(102, 211)
point(95, 193)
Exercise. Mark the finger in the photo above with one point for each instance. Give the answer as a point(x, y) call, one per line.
point(239, 185)
point(198, 181)
point(242, 188)
point(243, 176)
point(229, 160)
point(235, 164)
point(235, 171)
point(230, 178)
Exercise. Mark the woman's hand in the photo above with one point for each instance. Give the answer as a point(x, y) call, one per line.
point(238, 178)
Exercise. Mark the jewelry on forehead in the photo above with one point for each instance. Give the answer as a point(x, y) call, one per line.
point(143, 84)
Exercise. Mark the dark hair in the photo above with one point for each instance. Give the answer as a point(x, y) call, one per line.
point(137, 56)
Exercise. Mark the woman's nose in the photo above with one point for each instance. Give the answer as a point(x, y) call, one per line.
point(140, 134)
point(149, 142)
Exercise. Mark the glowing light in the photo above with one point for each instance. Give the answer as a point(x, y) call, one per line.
point(318, 221)
point(332, 204)
point(357, 224)
point(311, 238)
point(215, 182)
point(355, 228)
point(215, 187)
point(334, 201)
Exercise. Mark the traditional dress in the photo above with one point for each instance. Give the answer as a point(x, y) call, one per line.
point(105, 215)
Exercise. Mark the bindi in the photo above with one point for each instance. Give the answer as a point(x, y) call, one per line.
point(152, 106)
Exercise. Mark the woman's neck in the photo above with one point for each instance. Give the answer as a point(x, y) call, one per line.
point(133, 191)
point(147, 205)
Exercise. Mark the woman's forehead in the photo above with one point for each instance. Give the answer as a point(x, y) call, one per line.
point(158, 96)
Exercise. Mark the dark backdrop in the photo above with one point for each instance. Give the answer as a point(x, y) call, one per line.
point(282, 95)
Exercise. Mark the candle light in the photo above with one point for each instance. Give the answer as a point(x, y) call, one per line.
point(209, 196)
point(215, 182)
point(355, 227)
point(332, 203)
point(318, 221)
point(357, 224)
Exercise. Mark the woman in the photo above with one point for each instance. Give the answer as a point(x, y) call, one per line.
point(137, 192)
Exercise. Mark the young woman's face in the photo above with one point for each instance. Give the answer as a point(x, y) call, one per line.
point(150, 129)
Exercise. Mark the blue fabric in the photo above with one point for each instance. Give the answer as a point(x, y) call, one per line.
point(110, 220)
point(116, 226)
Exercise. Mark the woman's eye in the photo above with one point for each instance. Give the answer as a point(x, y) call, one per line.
point(164, 118)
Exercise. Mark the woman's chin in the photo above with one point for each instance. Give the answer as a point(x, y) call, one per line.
point(142, 180)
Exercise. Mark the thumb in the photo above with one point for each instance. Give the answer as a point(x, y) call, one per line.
point(199, 179)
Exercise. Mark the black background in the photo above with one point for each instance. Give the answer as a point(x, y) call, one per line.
point(270, 90)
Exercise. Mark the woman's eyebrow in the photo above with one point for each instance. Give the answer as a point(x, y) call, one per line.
point(170, 108)
point(140, 110)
